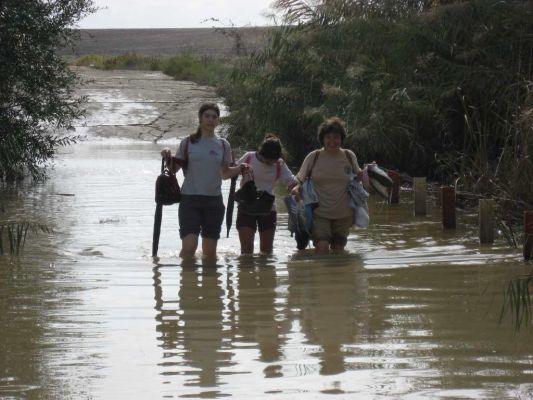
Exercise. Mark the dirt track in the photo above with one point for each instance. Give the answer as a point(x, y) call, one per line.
point(140, 104)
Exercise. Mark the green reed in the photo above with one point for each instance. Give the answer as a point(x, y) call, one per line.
point(13, 235)
point(517, 302)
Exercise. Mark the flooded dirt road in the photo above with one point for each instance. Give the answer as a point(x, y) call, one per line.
point(411, 312)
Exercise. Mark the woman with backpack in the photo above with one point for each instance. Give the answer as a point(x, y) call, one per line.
point(268, 168)
point(205, 159)
point(331, 169)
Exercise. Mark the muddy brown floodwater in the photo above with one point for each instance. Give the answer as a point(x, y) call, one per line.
point(410, 312)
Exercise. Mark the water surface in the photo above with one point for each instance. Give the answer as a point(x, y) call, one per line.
point(410, 311)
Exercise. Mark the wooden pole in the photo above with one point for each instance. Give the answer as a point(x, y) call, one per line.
point(486, 221)
point(395, 190)
point(528, 234)
point(448, 207)
point(420, 196)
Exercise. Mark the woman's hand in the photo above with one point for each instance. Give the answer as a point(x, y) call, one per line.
point(231, 172)
point(166, 153)
point(295, 191)
point(245, 168)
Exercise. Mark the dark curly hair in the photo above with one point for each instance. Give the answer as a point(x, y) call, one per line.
point(271, 147)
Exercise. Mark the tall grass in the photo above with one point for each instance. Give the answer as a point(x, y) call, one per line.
point(443, 93)
point(517, 302)
point(13, 235)
point(203, 70)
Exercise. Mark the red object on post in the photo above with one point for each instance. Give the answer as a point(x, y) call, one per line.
point(528, 234)
point(395, 190)
point(448, 207)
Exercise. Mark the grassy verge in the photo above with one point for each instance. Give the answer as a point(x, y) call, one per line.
point(207, 71)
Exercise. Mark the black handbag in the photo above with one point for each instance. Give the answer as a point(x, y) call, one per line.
point(167, 189)
point(252, 201)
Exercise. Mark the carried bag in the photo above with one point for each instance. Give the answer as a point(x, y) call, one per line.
point(252, 201)
point(358, 198)
point(167, 189)
point(359, 203)
point(376, 180)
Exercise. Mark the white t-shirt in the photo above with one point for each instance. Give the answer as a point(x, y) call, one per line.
point(205, 158)
point(265, 176)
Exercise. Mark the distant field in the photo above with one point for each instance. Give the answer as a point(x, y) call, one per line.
point(164, 42)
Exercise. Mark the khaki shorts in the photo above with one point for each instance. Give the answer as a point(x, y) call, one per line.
point(334, 231)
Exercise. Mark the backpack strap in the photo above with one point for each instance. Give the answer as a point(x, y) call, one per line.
point(185, 163)
point(248, 158)
point(278, 169)
point(317, 153)
point(349, 157)
point(224, 151)
point(178, 162)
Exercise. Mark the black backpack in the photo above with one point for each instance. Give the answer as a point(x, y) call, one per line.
point(167, 189)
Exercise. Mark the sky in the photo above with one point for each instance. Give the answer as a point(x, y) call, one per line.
point(177, 13)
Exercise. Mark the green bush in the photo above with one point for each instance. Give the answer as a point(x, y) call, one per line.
point(443, 93)
point(180, 67)
point(37, 100)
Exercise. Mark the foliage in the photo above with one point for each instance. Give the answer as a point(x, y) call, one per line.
point(37, 105)
point(181, 67)
point(517, 301)
point(298, 11)
point(436, 90)
point(13, 235)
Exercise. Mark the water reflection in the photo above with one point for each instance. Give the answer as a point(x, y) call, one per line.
point(326, 300)
point(257, 320)
point(190, 323)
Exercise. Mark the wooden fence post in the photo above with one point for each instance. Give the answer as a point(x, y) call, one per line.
point(448, 207)
point(486, 221)
point(395, 190)
point(420, 188)
point(528, 234)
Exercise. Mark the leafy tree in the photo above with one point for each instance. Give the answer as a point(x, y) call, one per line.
point(37, 102)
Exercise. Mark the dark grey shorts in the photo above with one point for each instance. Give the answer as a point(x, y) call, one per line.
point(201, 215)
point(263, 222)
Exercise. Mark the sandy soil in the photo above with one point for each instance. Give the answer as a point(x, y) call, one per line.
point(140, 104)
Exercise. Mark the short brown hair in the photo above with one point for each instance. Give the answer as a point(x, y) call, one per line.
point(331, 125)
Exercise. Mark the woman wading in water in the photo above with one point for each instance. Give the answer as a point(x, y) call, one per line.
point(268, 168)
point(205, 159)
point(330, 168)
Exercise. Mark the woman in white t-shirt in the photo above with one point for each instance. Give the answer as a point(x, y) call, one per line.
point(268, 168)
point(205, 159)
